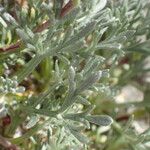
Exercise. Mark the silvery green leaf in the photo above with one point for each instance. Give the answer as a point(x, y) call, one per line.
point(89, 81)
point(128, 34)
point(28, 68)
point(45, 6)
point(99, 34)
point(63, 59)
point(71, 74)
point(68, 33)
point(79, 136)
point(23, 35)
point(44, 112)
point(74, 117)
point(29, 32)
point(102, 87)
point(69, 100)
point(112, 59)
point(143, 47)
point(1, 9)
point(58, 7)
point(105, 23)
point(10, 19)
point(57, 71)
point(71, 97)
point(20, 89)
point(82, 100)
point(105, 13)
point(105, 73)
point(84, 31)
point(30, 46)
point(98, 5)
point(76, 128)
point(80, 116)
point(3, 112)
point(3, 22)
point(118, 39)
point(73, 47)
point(101, 120)
point(61, 133)
point(72, 84)
point(108, 46)
point(137, 11)
point(70, 17)
point(92, 65)
point(32, 122)
point(89, 64)
point(50, 33)
point(79, 76)
point(87, 111)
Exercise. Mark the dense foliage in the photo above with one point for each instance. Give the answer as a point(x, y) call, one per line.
point(64, 65)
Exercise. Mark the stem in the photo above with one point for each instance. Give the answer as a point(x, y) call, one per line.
point(11, 47)
point(42, 27)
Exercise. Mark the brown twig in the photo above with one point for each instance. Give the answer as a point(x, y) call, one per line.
point(42, 27)
point(11, 47)
point(122, 118)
